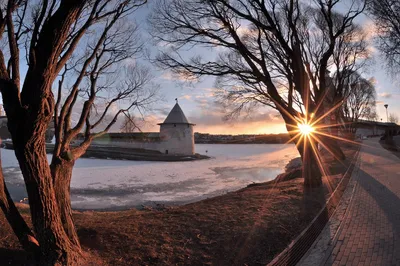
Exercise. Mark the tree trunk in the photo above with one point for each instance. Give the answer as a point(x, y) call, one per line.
point(333, 147)
point(329, 140)
point(55, 246)
point(311, 172)
point(14, 218)
point(61, 171)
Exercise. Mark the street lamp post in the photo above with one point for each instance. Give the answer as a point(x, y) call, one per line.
point(387, 117)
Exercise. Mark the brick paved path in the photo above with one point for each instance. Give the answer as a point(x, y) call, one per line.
point(370, 231)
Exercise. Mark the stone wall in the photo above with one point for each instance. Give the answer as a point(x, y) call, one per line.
point(125, 143)
point(177, 139)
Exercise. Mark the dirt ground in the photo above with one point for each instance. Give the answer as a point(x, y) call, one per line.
point(245, 227)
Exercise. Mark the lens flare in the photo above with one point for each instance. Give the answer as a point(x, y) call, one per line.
point(305, 129)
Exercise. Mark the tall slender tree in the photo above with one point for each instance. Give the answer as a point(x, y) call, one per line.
point(49, 33)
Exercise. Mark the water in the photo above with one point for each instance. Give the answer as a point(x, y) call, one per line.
point(104, 184)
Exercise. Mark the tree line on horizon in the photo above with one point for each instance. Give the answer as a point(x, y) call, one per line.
point(271, 53)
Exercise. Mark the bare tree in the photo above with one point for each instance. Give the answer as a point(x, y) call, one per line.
point(387, 19)
point(105, 90)
point(359, 101)
point(393, 118)
point(349, 57)
point(273, 53)
point(128, 125)
point(372, 115)
point(49, 32)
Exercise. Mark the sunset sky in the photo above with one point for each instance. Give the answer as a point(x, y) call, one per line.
point(200, 107)
point(199, 104)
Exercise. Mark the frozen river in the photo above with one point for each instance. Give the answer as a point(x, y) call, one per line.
point(104, 184)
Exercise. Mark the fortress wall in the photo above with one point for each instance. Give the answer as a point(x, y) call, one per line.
point(155, 146)
point(175, 140)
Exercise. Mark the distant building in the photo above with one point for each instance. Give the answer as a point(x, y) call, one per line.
point(176, 133)
point(176, 136)
point(373, 128)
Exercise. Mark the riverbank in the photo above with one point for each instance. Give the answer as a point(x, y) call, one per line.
point(248, 226)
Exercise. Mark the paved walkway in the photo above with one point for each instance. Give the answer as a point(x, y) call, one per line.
point(370, 231)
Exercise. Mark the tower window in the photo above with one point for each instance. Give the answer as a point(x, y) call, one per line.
point(174, 125)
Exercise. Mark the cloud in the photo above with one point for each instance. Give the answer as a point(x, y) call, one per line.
point(379, 102)
point(202, 103)
point(373, 80)
point(164, 44)
point(371, 50)
point(179, 76)
point(206, 93)
point(161, 111)
point(243, 30)
point(186, 97)
point(261, 123)
point(385, 95)
point(130, 62)
point(370, 29)
point(211, 119)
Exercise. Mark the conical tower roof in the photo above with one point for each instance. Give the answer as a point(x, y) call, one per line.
point(176, 116)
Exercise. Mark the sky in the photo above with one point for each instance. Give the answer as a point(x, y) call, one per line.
point(199, 103)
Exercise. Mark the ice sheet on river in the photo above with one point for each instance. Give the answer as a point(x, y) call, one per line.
point(102, 184)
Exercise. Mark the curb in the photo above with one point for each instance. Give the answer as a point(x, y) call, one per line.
point(300, 245)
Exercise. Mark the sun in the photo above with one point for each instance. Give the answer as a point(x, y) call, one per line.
point(305, 129)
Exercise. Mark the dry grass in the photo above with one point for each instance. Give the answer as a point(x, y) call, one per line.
point(249, 226)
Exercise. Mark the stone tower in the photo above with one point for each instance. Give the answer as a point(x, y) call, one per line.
point(176, 133)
